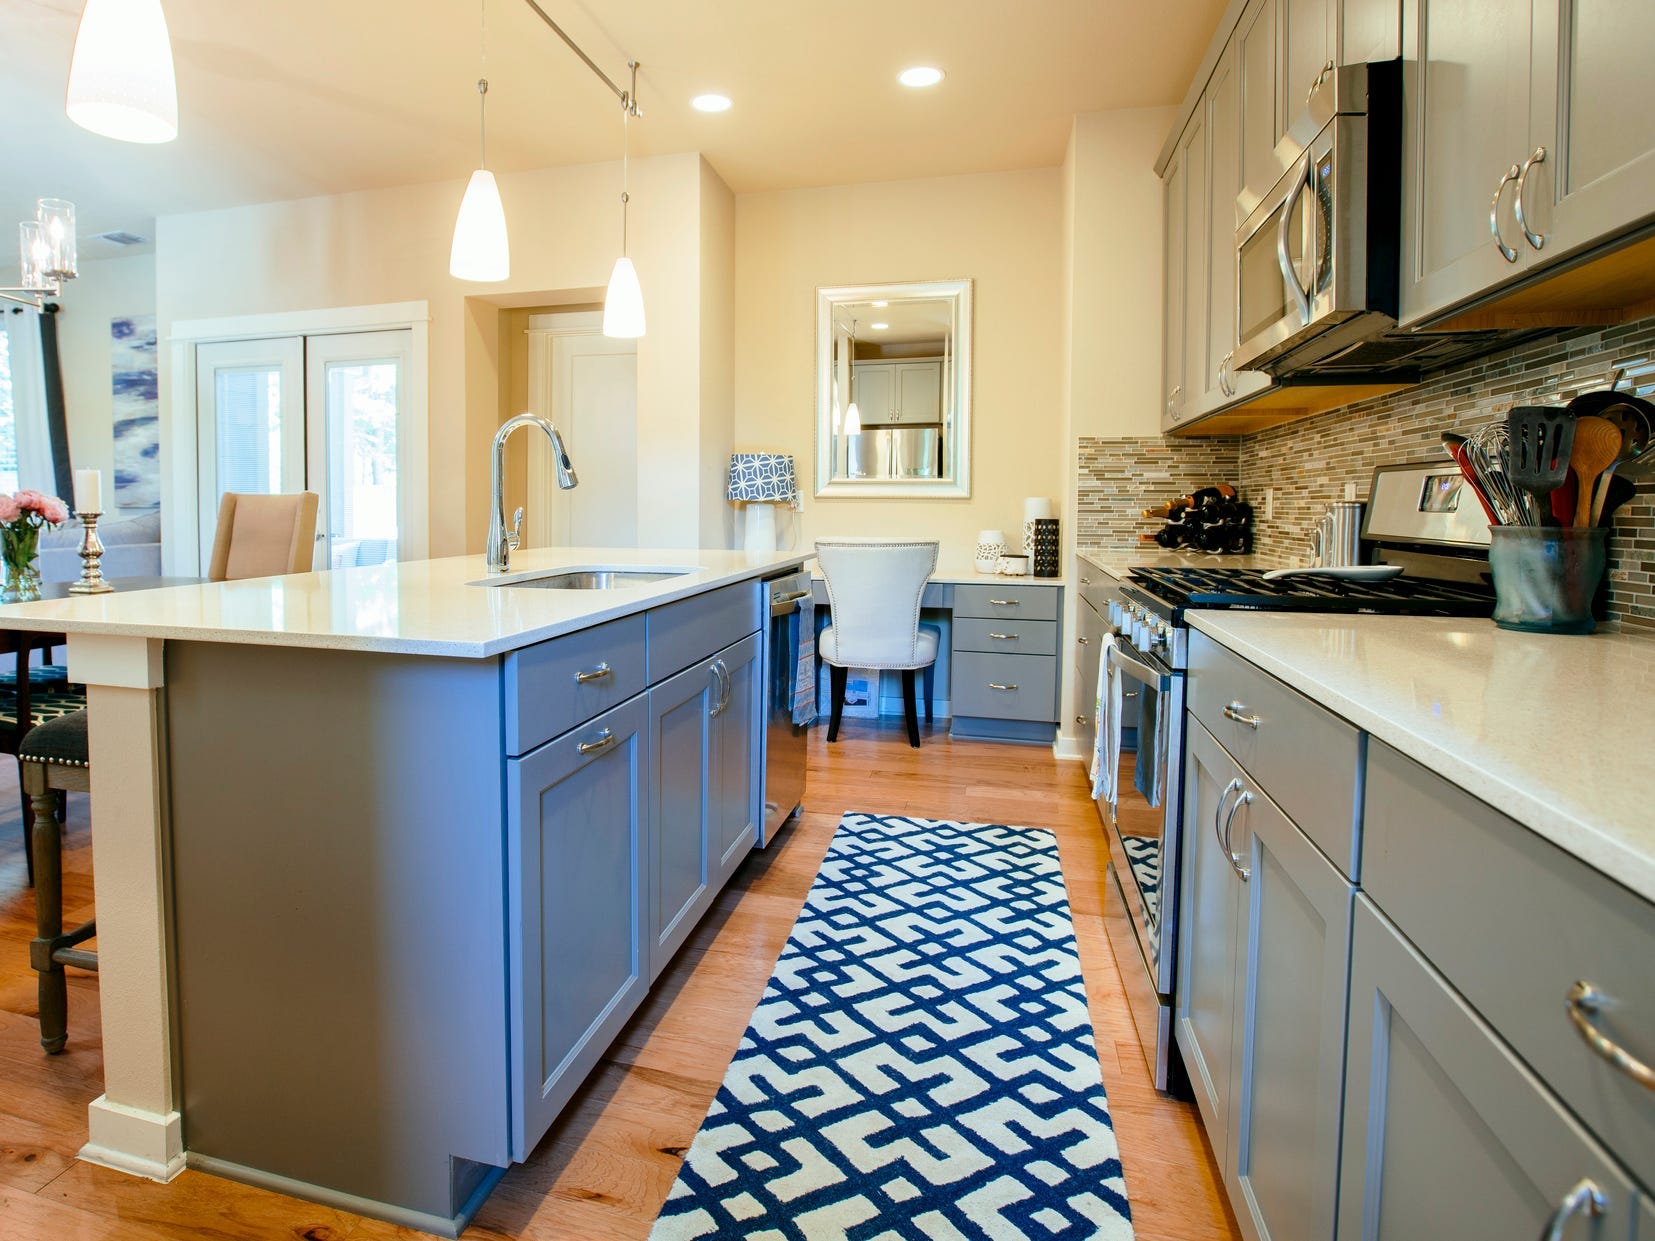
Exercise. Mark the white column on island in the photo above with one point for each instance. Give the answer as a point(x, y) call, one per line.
point(134, 1126)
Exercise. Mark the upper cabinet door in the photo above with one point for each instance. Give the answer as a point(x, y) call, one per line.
point(1591, 168)
point(919, 391)
point(1466, 127)
point(1172, 290)
point(1307, 40)
point(1196, 234)
point(1255, 44)
point(1369, 30)
point(872, 392)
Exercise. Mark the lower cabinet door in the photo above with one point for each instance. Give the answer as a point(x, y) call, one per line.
point(577, 893)
point(1287, 1079)
point(1447, 1133)
point(682, 718)
point(1209, 921)
point(737, 756)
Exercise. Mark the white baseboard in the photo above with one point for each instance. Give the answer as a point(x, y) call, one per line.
point(1067, 748)
point(147, 1144)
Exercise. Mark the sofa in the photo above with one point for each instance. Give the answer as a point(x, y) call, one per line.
point(132, 548)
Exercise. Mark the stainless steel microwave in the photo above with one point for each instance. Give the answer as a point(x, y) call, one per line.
point(1317, 258)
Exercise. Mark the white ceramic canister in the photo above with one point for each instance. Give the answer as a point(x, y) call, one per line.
point(991, 544)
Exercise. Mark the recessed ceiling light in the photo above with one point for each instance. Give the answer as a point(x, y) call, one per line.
point(881, 305)
point(879, 327)
point(711, 103)
point(920, 75)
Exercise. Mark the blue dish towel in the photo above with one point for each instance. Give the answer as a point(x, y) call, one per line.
point(802, 640)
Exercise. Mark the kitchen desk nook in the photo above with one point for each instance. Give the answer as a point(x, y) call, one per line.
point(386, 856)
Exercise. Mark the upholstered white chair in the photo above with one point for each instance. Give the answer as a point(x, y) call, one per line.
point(874, 588)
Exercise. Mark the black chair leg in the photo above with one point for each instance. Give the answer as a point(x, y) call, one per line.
point(908, 710)
point(930, 687)
point(836, 694)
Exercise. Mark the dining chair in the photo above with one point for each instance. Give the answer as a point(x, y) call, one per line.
point(263, 535)
point(51, 760)
point(874, 588)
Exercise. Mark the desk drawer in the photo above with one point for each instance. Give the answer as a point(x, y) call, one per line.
point(553, 686)
point(1513, 922)
point(1000, 602)
point(1004, 687)
point(1302, 755)
point(1009, 637)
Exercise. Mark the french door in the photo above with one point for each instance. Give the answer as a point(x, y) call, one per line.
point(318, 413)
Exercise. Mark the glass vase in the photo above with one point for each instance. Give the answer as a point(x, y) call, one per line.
point(18, 544)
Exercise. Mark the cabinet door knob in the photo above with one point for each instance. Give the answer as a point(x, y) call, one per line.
point(602, 742)
point(1084, 641)
point(1506, 252)
point(593, 674)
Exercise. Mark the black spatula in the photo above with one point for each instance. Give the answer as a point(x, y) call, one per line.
point(1540, 438)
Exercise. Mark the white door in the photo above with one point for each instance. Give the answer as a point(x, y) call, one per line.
point(250, 398)
point(354, 394)
point(309, 413)
point(587, 384)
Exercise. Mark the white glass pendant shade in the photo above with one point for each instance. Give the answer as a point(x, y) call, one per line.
point(57, 224)
point(121, 81)
point(853, 420)
point(35, 253)
point(623, 306)
point(481, 250)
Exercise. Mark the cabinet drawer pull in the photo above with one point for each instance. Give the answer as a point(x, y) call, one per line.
point(1005, 603)
point(1010, 637)
point(1080, 719)
point(593, 674)
point(1585, 1196)
point(997, 685)
point(1506, 252)
point(605, 740)
point(1583, 1003)
point(1236, 711)
point(1084, 641)
point(1131, 693)
point(1537, 240)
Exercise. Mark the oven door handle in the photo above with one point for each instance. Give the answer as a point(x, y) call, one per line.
point(1138, 670)
point(1290, 277)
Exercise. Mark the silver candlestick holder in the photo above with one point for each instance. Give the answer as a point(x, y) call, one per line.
point(91, 553)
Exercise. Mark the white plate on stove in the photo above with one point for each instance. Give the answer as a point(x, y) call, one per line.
point(1343, 573)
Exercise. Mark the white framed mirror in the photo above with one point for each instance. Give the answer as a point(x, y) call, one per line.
point(893, 389)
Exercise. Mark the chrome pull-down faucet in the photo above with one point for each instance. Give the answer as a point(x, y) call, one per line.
point(500, 541)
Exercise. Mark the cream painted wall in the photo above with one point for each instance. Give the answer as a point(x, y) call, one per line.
point(392, 246)
point(718, 356)
point(1000, 229)
point(105, 289)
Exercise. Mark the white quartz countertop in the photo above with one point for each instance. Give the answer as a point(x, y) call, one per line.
point(426, 607)
point(1118, 562)
point(961, 570)
point(1557, 732)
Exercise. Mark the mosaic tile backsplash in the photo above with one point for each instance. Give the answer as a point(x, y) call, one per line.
point(1309, 462)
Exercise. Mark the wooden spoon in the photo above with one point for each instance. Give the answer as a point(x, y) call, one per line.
point(1597, 446)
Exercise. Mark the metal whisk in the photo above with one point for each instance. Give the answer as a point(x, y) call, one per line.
point(1488, 452)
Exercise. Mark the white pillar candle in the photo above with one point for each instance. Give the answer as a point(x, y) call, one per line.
point(88, 491)
point(1038, 508)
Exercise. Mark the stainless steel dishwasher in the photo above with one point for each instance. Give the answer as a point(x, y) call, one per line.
point(784, 741)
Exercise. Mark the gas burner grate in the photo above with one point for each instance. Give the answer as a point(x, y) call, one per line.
point(1246, 589)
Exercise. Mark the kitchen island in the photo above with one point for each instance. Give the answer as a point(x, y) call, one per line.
point(385, 857)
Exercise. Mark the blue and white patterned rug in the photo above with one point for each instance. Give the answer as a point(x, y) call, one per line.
point(921, 1064)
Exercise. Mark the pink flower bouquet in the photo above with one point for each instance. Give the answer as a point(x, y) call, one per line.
point(21, 517)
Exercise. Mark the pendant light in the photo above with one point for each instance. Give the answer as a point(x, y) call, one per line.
point(623, 305)
point(481, 250)
point(853, 416)
point(121, 80)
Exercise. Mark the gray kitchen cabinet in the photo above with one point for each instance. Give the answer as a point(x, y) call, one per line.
point(1197, 233)
point(1446, 1132)
point(1287, 1078)
point(682, 712)
point(1088, 651)
point(1369, 30)
point(1545, 107)
point(1005, 664)
point(1309, 36)
point(1208, 952)
point(578, 890)
point(737, 787)
point(1175, 219)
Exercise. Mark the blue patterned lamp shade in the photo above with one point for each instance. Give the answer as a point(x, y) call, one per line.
point(762, 476)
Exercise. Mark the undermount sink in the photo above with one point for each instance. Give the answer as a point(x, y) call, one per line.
point(593, 579)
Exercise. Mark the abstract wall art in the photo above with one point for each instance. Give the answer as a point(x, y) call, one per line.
point(136, 411)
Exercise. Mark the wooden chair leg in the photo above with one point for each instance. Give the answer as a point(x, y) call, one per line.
point(908, 710)
point(28, 831)
point(836, 695)
point(48, 915)
point(930, 687)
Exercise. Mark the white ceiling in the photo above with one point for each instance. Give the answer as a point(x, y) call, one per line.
point(301, 97)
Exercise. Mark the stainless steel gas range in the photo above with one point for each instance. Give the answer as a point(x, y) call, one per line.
point(1414, 520)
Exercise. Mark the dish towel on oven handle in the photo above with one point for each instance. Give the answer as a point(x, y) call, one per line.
point(802, 631)
point(1106, 745)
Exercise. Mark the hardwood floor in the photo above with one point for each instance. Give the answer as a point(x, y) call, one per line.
point(606, 1166)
